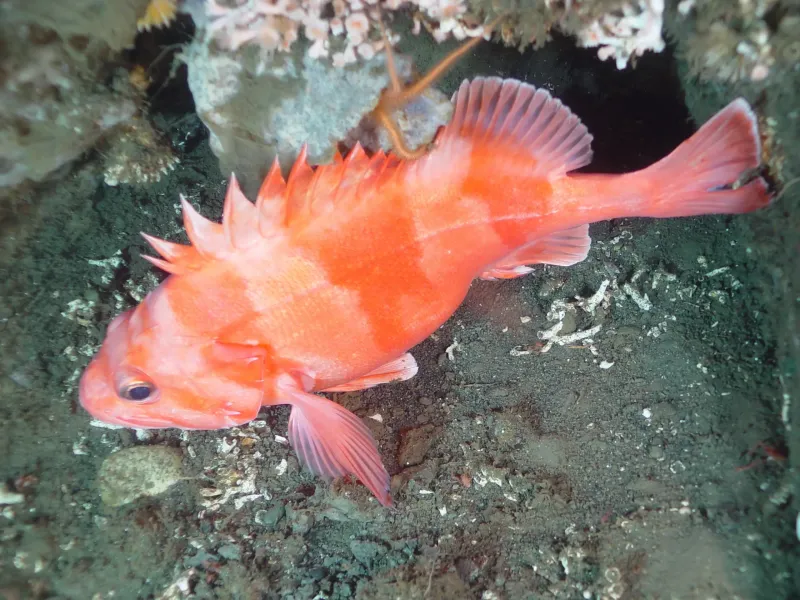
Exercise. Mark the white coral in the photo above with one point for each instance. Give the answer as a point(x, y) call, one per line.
point(629, 32)
point(274, 25)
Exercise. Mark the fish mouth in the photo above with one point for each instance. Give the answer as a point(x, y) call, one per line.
point(198, 422)
point(137, 423)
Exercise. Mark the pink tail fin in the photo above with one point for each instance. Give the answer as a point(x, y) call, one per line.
point(703, 175)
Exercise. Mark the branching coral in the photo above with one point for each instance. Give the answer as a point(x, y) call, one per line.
point(345, 30)
point(348, 30)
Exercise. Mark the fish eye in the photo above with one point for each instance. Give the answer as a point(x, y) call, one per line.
point(137, 391)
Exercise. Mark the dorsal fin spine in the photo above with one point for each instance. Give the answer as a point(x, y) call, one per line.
point(227, 211)
point(165, 249)
point(176, 258)
point(172, 268)
point(206, 236)
point(340, 171)
point(293, 203)
point(271, 201)
point(356, 153)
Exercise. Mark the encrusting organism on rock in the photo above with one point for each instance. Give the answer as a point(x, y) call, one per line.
point(738, 41)
point(159, 13)
point(346, 30)
point(135, 153)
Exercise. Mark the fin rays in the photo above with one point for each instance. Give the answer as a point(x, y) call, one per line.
point(495, 111)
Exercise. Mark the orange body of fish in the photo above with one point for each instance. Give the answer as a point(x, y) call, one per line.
point(328, 280)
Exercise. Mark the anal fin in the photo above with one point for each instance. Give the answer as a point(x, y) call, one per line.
point(400, 369)
point(562, 248)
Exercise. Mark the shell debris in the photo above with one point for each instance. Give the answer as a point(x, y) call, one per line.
point(9, 497)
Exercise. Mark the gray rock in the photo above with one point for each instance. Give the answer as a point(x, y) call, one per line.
point(257, 108)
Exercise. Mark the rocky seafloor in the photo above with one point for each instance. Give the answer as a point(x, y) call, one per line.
point(659, 461)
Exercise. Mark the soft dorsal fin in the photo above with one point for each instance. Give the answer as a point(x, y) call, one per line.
point(492, 111)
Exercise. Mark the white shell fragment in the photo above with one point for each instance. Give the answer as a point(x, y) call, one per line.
point(9, 497)
point(797, 526)
point(282, 467)
point(450, 350)
point(640, 300)
point(591, 303)
point(138, 471)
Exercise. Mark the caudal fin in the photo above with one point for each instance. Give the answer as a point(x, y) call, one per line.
point(713, 172)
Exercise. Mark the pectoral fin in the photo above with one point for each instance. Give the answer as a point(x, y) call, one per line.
point(400, 369)
point(332, 441)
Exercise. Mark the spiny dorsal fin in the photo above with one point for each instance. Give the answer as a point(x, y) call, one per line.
point(324, 187)
point(313, 192)
point(374, 170)
point(492, 111)
point(305, 195)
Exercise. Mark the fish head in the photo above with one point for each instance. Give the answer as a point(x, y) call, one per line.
point(151, 376)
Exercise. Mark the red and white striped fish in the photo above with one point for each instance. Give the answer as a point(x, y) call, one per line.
point(328, 280)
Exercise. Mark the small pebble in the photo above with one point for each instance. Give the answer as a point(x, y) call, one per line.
point(230, 552)
point(269, 518)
